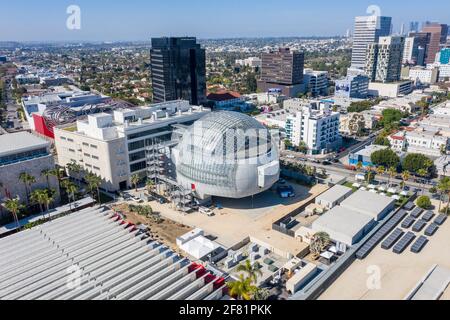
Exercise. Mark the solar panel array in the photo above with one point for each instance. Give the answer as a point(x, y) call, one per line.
point(392, 239)
point(408, 222)
point(404, 242)
point(419, 226)
point(380, 234)
point(428, 216)
point(431, 230)
point(440, 219)
point(409, 206)
point(419, 244)
point(416, 212)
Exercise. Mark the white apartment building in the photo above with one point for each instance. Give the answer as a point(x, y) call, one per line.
point(114, 146)
point(424, 75)
point(316, 126)
point(253, 62)
point(316, 81)
point(420, 141)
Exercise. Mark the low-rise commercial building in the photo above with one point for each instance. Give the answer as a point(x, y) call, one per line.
point(422, 75)
point(390, 90)
point(364, 156)
point(333, 196)
point(25, 153)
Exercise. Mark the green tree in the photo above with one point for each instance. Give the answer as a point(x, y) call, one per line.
point(135, 181)
point(392, 174)
point(386, 158)
point(413, 162)
point(94, 182)
point(14, 206)
point(318, 243)
point(406, 175)
point(424, 202)
point(243, 288)
point(28, 180)
point(382, 141)
point(39, 197)
point(71, 190)
point(76, 169)
point(444, 188)
point(47, 173)
point(391, 116)
point(252, 271)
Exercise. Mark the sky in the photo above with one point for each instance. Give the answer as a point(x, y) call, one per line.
point(135, 20)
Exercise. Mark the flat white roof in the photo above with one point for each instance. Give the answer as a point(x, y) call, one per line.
point(114, 261)
point(368, 203)
point(20, 142)
point(342, 221)
point(334, 194)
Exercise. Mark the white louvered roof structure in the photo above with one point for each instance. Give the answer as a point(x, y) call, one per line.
point(114, 261)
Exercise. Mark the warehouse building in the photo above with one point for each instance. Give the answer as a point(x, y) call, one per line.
point(344, 225)
point(374, 205)
point(333, 196)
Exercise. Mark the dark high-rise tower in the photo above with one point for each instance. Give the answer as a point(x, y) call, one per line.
point(178, 70)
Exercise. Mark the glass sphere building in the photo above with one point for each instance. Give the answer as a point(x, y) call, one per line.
point(227, 154)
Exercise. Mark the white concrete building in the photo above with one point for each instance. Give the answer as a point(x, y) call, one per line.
point(424, 75)
point(316, 126)
point(253, 62)
point(114, 146)
point(390, 90)
point(429, 143)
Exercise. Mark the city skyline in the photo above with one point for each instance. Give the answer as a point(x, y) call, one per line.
point(140, 20)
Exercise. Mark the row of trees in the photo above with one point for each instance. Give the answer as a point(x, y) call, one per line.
point(414, 162)
point(45, 197)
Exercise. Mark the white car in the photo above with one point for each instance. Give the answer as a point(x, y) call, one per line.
point(206, 211)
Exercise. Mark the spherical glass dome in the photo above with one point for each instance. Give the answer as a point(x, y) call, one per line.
point(222, 153)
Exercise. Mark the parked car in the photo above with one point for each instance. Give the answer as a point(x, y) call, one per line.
point(207, 211)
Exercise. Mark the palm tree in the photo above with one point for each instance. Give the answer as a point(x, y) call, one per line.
point(14, 206)
point(253, 271)
point(381, 170)
point(135, 180)
point(57, 173)
point(405, 177)
point(47, 173)
point(94, 183)
point(39, 196)
point(359, 166)
point(28, 181)
point(49, 199)
point(71, 190)
point(75, 168)
point(422, 173)
point(392, 174)
point(242, 289)
point(150, 185)
point(319, 242)
point(444, 187)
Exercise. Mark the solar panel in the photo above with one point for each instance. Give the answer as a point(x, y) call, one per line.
point(416, 212)
point(380, 234)
point(419, 226)
point(409, 206)
point(408, 222)
point(404, 242)
point(431, 230)
point(440, 219)
point(428, 216)
point(419, 244)
point(392, 239)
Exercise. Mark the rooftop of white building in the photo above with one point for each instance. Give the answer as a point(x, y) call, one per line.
point(20, 142)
